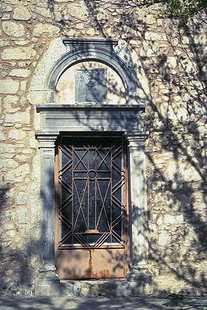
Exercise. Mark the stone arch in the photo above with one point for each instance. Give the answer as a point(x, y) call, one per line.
point(96, 50)
point(64, 53)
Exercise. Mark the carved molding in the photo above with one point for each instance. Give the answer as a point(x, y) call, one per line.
point(137, 141)
point(99, 50)
point(47, 139)
point(112, 118)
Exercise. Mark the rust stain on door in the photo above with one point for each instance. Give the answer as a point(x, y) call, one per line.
point(101, 274)
point(90, 267)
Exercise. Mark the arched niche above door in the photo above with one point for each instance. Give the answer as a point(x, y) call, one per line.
point(90, 82)
point(63, 54)
point(94, 66)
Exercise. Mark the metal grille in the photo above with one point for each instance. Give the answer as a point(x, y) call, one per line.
point(92, 182)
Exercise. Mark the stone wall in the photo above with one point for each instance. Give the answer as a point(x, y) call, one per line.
point(169, 58)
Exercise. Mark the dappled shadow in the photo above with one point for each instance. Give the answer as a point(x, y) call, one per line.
point(15, 267)
point(176, 161)
point(50, 303)
point(176, 119)
point(128, 303)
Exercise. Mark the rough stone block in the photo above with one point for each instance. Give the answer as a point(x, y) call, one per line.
point(153, 36)
point(6, 7)
point(22, 42)
point(20, 72)
point(2, 136)
point(17, 134)
point(164, 239)
point(11, 99)
point(3, 73)
point(45, 30)
point(5, 163)
point(78, 11)
point(13, 29)
point(173, 219)
point(172, 62)
point(4, 42)
point(18, 117)
point(21, 13)
point(43, 11)
point(7, 148)
point(18, 53)
point(18, 174)
point(9, 86)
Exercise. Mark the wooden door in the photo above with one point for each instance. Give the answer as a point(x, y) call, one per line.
point(92, 213)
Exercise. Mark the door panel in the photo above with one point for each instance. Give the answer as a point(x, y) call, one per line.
point(92, 214)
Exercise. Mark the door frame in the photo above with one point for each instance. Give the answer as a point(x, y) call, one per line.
point(65, 119)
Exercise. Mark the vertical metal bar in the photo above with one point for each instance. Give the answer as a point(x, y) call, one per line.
point(111, 207)
point(72, 172)
point(122, 190)
point(95, 202)
point(60, 168)
point(88, 186)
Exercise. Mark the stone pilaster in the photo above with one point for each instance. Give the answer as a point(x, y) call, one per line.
point(139, 276)
point(47, 152)
point(139, 227)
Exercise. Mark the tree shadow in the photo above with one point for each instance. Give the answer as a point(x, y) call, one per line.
point(49, 303)
point(176, 159)
point(177, 133)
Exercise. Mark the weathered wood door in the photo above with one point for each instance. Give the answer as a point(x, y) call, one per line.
point(92, 210)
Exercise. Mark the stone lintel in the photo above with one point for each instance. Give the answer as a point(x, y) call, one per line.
point(112, 118)
point(107, 107)
point(77, 44)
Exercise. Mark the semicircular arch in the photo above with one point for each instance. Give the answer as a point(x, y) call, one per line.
point(111, 59)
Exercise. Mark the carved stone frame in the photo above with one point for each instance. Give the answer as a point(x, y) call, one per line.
point(125, 119)
point(84, 118)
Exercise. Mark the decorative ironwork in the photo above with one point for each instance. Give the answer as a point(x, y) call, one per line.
point(92, 180)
